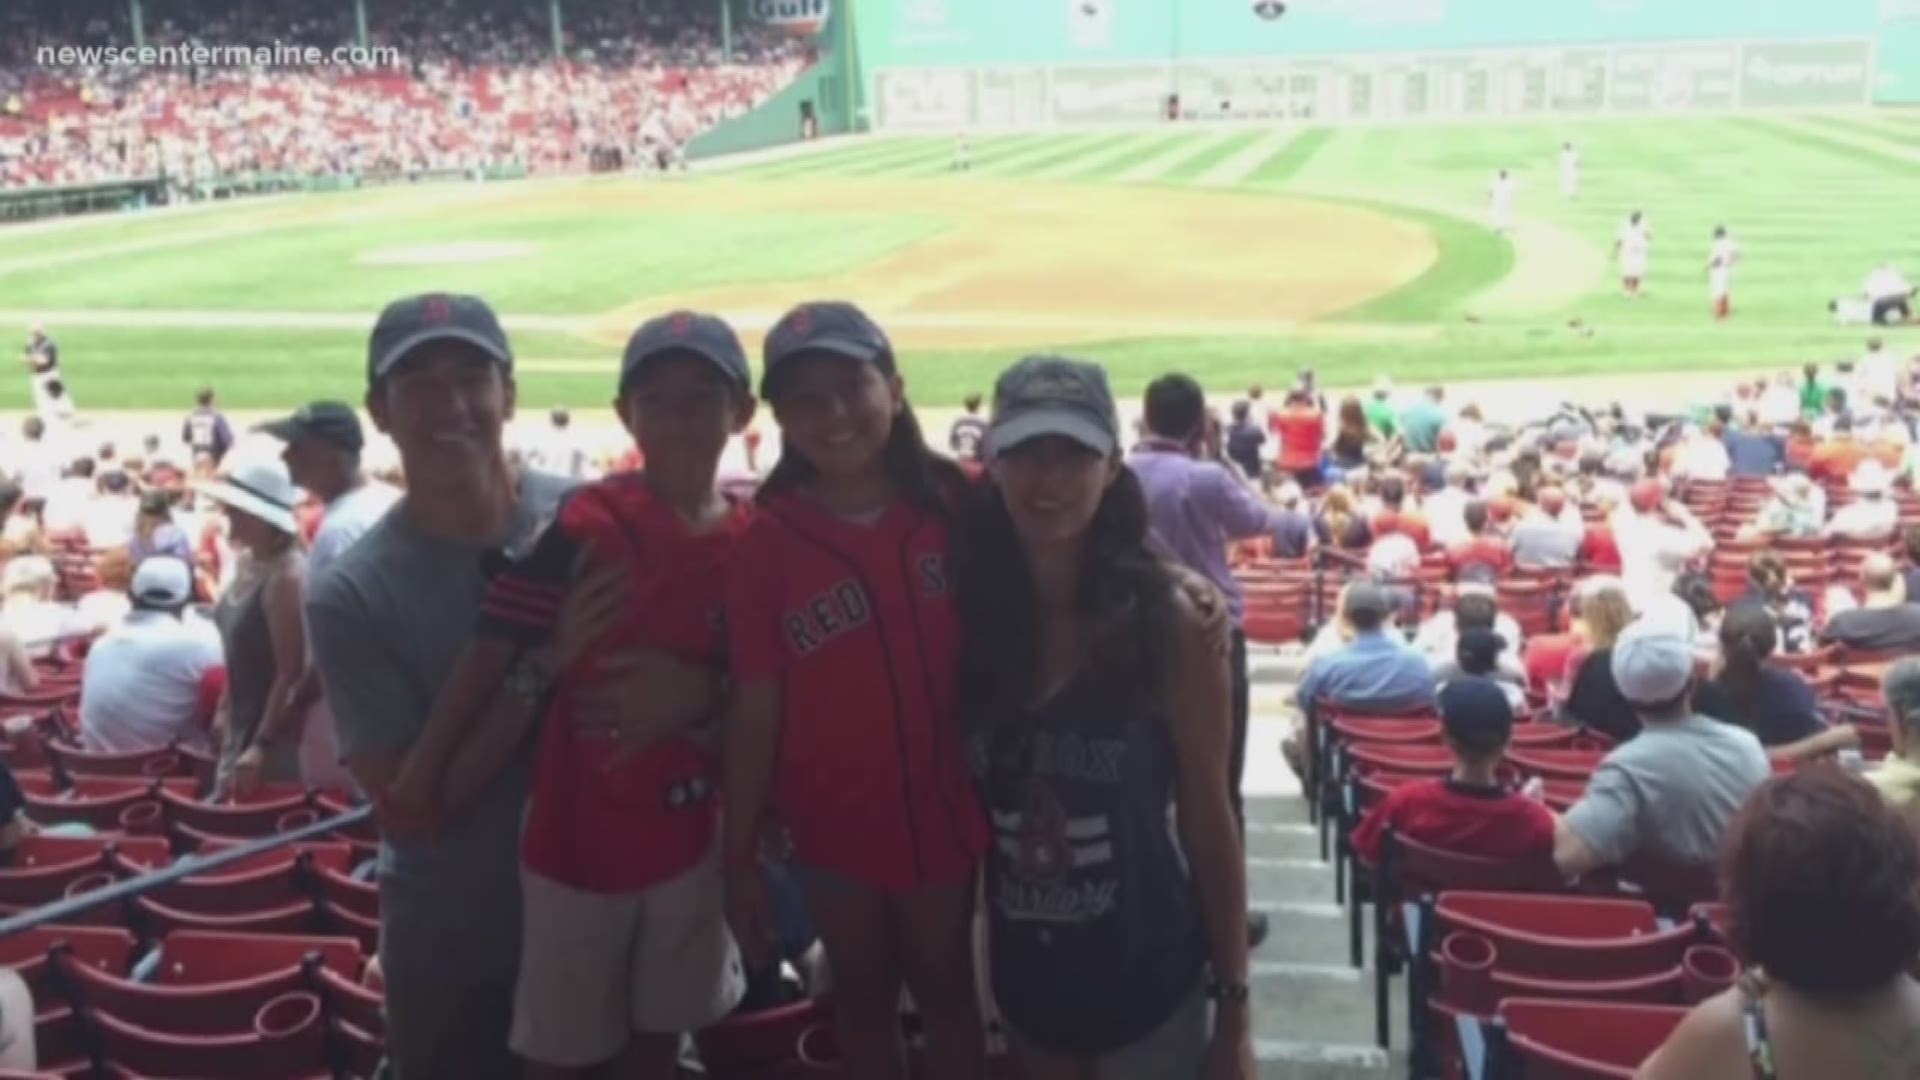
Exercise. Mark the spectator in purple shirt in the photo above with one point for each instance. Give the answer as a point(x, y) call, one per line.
point(1197, 507)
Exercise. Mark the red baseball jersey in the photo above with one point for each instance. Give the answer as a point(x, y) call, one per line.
point(856, 622)
point(653, 816)
point(1490, 824)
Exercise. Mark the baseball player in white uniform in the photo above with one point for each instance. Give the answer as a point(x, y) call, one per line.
point(1631, 248)
point(1569, 171)
point(1502, 199)
point(1720, 261)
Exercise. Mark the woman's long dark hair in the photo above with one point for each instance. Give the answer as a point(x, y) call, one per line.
point(925, 479)
point(1747, 638)
point(1125, 593)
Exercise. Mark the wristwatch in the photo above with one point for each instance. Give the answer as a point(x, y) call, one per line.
point(528, 681)
point(1228, 993)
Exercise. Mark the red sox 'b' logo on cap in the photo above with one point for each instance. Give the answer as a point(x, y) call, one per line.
point(682, 324)
point(439, 309)
point(800, 323)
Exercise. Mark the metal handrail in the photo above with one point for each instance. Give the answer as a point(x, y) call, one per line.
point(186, 866)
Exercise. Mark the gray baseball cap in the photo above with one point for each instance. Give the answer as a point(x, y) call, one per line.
point(823, 326)
point(410, 323)
point(1053, 395)
point(706, 336)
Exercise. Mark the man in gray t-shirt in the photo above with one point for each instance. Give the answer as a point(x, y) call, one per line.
point(1670, 793)
point(387, 623)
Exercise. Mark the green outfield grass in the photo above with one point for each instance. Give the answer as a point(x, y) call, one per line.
point(1813, 201)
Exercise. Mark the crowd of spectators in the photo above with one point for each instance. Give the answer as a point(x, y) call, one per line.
point(476, 85)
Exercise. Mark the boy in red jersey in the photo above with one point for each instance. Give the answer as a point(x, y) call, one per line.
point(624, 942)
point(1469, 812)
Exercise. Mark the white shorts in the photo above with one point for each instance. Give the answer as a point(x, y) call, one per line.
point(1633, 267)
point(1719, 284)
point(595, 968)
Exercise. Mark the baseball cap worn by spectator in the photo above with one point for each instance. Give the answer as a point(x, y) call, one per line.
point(1480, 647)
point(162, 581)
point(1475, 714)
point(261, 488)
point(832, 327)
point(687, 332)
point(408, 324)
point(331, 422)
point(1652, 663)
point(1053, 395)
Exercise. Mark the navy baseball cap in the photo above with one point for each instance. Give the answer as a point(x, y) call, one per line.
point(415, 321)
point(706, 336)
point(834, 327)
point(1476, 713)
point(1053, 395)
point(332, 422)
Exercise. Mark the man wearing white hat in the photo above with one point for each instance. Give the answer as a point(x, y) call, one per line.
point(1669, 793)
point(260, 626)
point(145, 679)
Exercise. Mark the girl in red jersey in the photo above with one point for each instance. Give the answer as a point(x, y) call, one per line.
point(844, 644)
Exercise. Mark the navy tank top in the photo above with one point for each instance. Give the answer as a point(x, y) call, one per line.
point(1094, 930)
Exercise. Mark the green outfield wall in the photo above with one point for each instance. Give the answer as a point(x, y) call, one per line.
point(991, 63)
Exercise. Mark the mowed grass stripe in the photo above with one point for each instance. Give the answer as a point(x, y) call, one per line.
point(1156, 168)
point(1199, 165)
point(1292, 157)
point(1124, 150)
point(834, 160)
point(1838, 148)
point(980, 154)
point(1873, 128)
point(928, 151)
point(1052, 150)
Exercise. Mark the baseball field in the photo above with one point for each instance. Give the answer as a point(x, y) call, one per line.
point(1236, 253)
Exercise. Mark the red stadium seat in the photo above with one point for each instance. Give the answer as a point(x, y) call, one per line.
point(106, 949)
point(147, 764)
point(200, 822)
point(287, 1039)
point(747, 1047)
point(1549, 764)
point(214, 983)
point(1568, 1040)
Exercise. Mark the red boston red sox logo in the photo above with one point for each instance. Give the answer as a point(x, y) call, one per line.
point(682, 324)
point(438, 309)
point(800, 323)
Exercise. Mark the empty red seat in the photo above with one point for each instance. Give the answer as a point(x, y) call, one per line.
point(1579, 1040)
point(287, 1038)
point(1549, 764)
point(213, 983)
point(200, 822)
point(149, 764)
point(106, 949)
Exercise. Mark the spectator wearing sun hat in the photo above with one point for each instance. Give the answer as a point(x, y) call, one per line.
point(1670, 792)
point(261, 629)
point(143, 681)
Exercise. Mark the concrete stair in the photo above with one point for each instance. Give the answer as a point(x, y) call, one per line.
point(1313, 1013)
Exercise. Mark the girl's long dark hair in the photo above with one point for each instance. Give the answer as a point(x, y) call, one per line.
point(1747, 637)
point(925, 479)
point(1125, 593)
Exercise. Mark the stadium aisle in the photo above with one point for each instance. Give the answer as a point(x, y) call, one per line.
point(1313, 1013)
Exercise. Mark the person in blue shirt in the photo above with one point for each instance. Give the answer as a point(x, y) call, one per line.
point(1374, 672)
point(1751, 450)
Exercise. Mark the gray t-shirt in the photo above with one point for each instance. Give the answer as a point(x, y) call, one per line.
point(1670, 792)
point(388, 620)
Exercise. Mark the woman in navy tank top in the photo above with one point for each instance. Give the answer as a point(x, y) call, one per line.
point(1099, 716)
